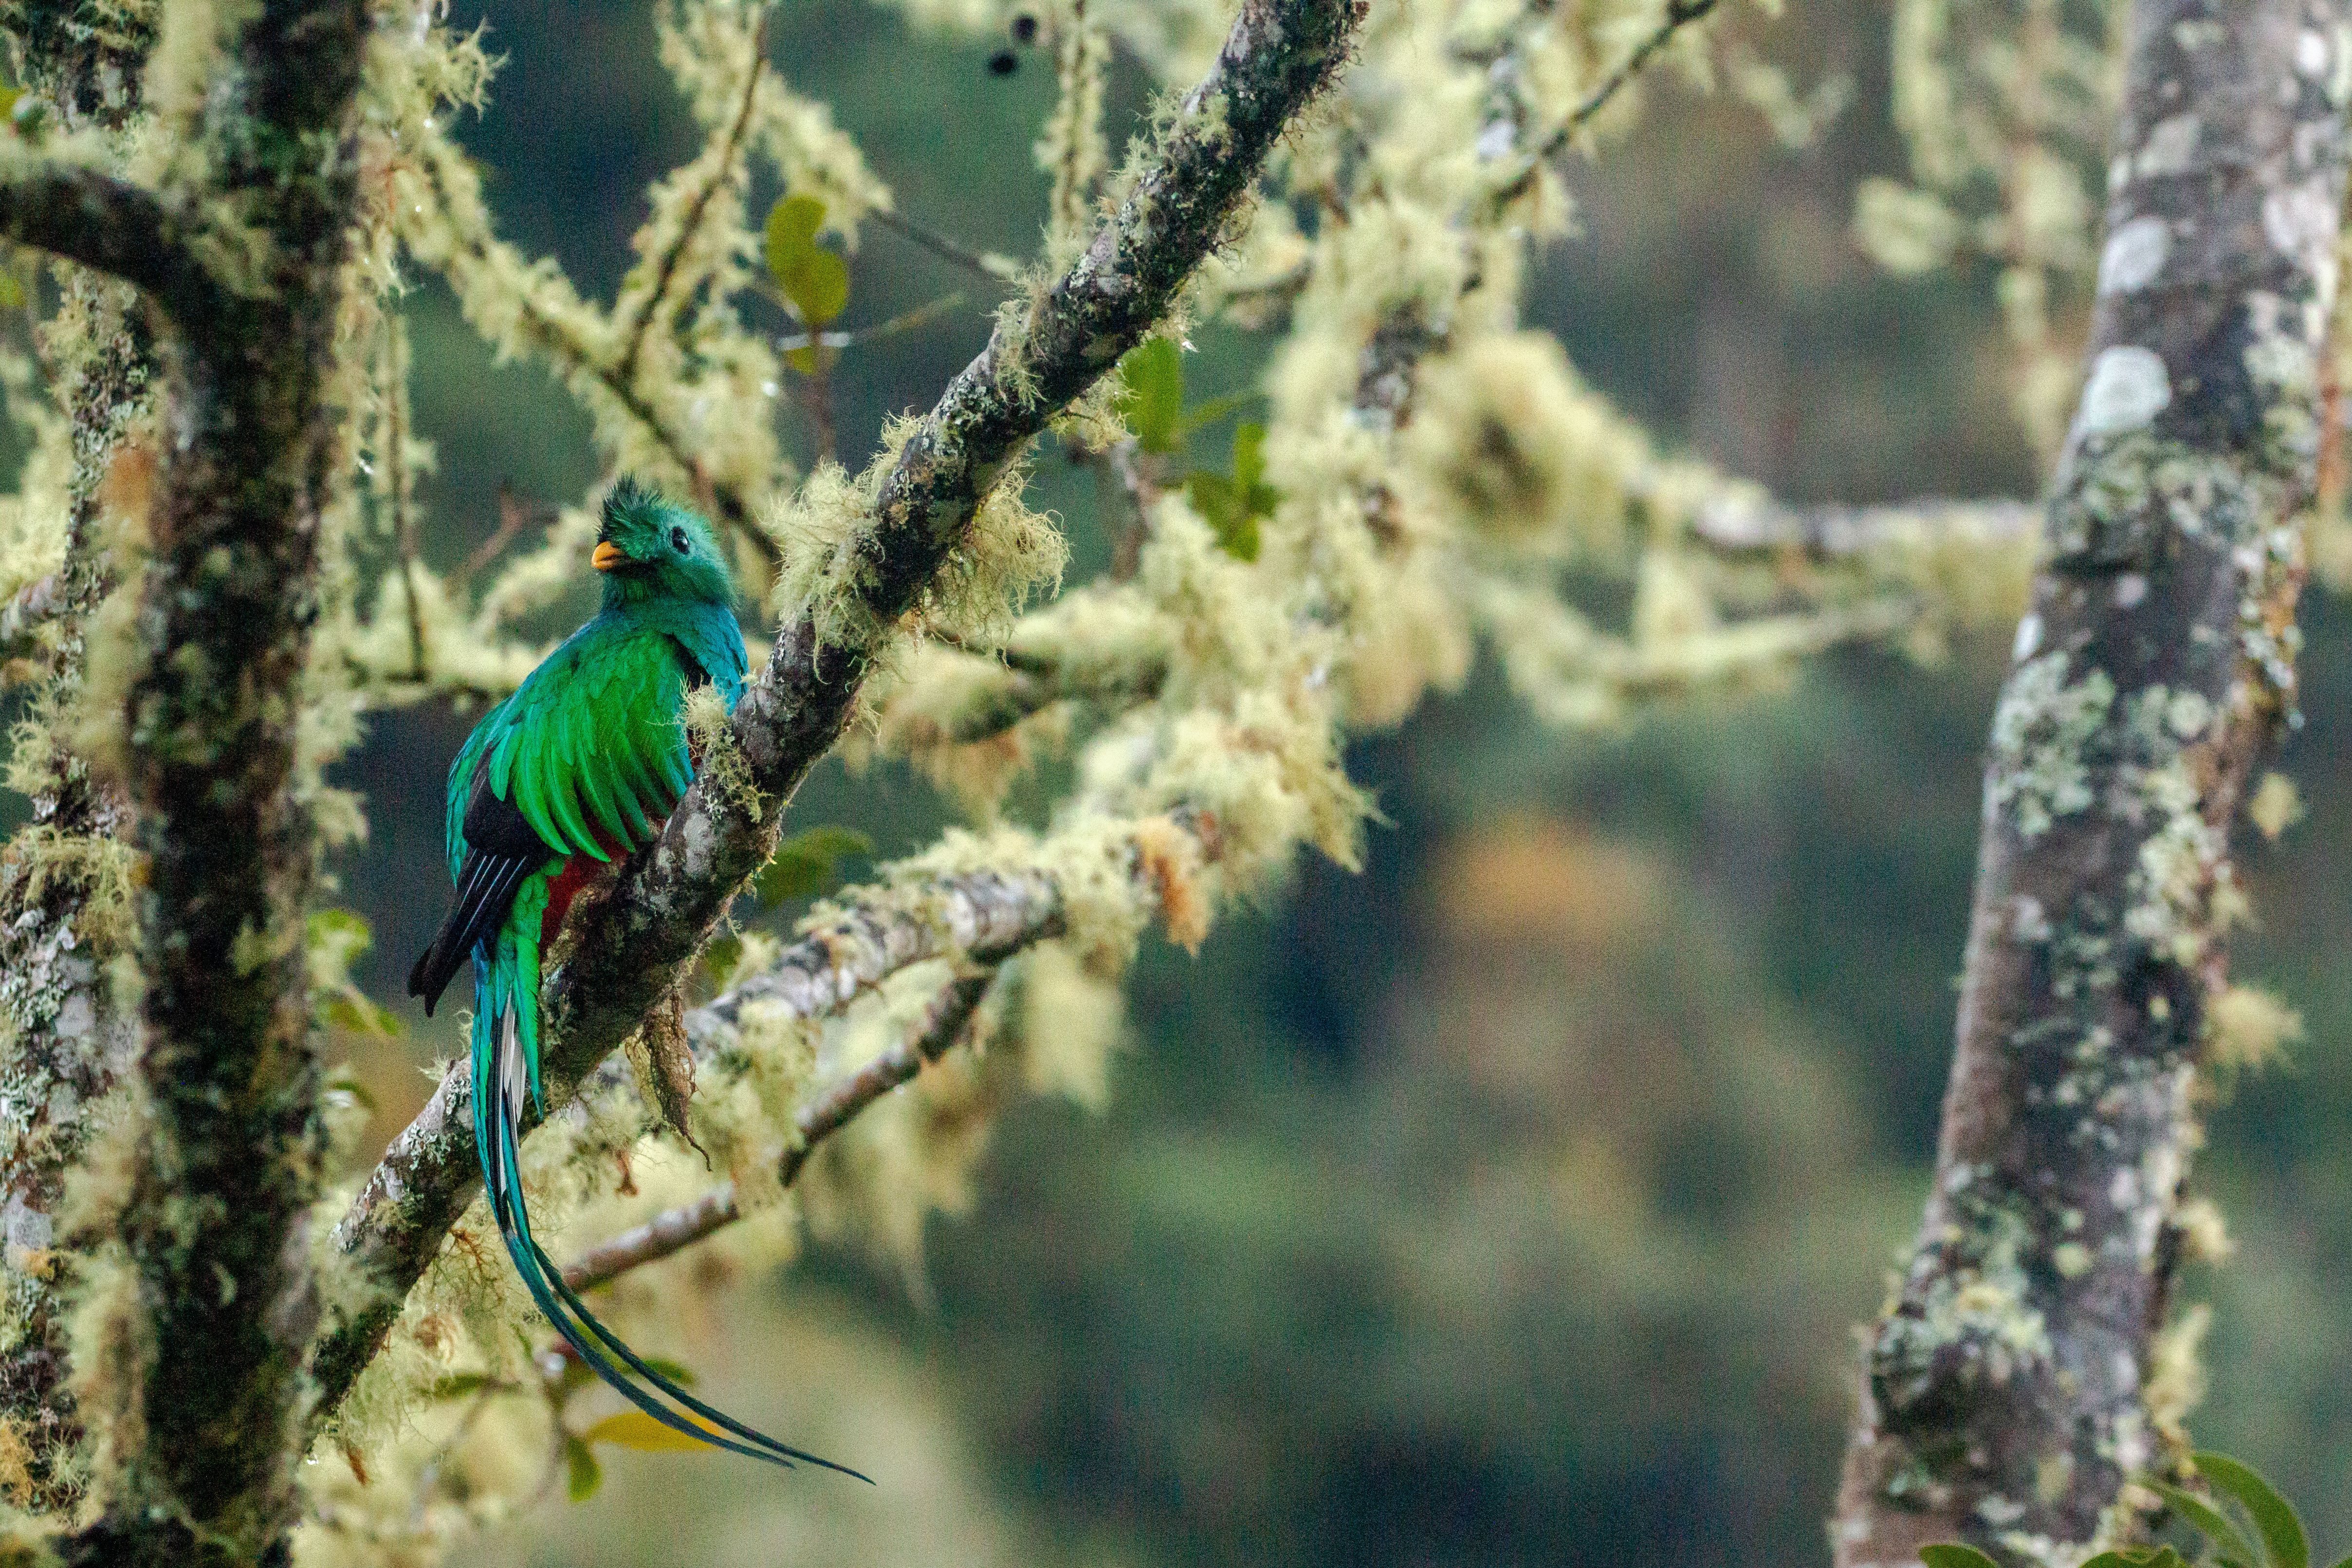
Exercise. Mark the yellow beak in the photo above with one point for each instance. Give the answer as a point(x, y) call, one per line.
point(608, 555)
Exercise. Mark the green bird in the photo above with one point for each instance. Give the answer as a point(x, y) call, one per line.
point(580, 766)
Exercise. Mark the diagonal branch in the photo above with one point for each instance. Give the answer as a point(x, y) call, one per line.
point(724, 168)
point(109, 225)
point(429, 1172)
point(943, 1023)
point(1679, 14)
point(483, 271)
point(635, 946)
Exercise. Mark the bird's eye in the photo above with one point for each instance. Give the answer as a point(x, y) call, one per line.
point(678, 541)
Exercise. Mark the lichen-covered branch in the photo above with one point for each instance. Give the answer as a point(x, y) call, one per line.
point(983, 917)
point(2009, 1393)
point(1679, 14)
point(108, 225)
point(633, 946)
point(1752, 520)
point(674, 1230)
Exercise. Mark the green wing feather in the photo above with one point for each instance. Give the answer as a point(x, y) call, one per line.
point(591, 750)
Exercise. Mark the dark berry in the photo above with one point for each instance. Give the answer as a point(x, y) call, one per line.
point(1004, 62)
point(1025, 27)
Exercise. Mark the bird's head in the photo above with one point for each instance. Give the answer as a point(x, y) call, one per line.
point(650, 547)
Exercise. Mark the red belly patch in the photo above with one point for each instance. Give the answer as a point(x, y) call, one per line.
point(578, 872)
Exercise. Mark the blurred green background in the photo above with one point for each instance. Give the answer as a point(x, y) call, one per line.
point(1512, 1201)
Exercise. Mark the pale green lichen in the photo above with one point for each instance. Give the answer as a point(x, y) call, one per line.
point(2249, 1027)
point(2041, 734)
point(1978, 1314)
point(717, 757)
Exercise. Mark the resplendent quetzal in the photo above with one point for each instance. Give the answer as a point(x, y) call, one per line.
point(580, 766)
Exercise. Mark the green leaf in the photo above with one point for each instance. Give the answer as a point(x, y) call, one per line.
point(818, 289)
point(676, 1371)
point(2209, 1521)
point(1232, 507)
point(1213, 497)
point(791, 233)
point(720, 958)
point(813, 278)
point(362, 1016)
point(636, 1430)
point(1240, 540)
point(586, 1474)
point(8, 97)
point(12, 288)
point(458, 1385)
point(2283, 1537)
point(1223, 508)
point(1249, 460)
point(1204, 414)
point(1151, 394)
point(1952, 1554)
point(808, 862)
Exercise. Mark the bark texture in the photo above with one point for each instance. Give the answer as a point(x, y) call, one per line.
point(64, 1042)
point(635, 946)
point(208, 1308)
point(2006, 1395)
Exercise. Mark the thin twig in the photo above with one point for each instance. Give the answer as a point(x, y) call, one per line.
point(1128, 489)
point(944, 1025)
point(1680, 13)
point(1742, 522)
point(516, 513)
point(485, 250)
point(905, 321)
point(1078, 120)
point(819, 401)
point(986, 263)
point(625, 368)
point(404, 524)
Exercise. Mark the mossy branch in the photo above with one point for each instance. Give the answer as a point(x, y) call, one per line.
point(108, 225)
point(1754, 521)
point(633, 947)
point(942, 1025)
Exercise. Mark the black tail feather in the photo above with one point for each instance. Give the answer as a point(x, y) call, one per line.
point(485, 893)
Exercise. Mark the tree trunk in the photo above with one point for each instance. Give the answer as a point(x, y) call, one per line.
point(2006, 1400)
point(64, 1044)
